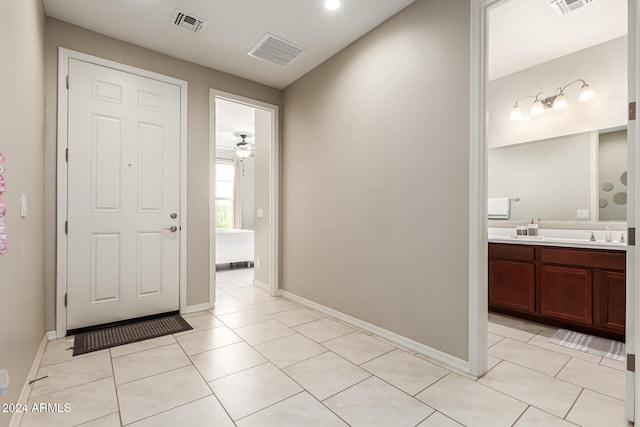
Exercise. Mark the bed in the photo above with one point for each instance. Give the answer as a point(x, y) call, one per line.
point(234, 246)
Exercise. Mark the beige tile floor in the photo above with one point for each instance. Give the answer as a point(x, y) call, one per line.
point(262, 361)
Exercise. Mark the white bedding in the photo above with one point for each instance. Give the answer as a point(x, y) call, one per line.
point(234, 246)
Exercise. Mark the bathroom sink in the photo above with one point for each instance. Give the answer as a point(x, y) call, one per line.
point(597, 242)
point(570, 238)
point(560, 240)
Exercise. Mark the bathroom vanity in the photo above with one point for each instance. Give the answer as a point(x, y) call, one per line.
point(573, 285)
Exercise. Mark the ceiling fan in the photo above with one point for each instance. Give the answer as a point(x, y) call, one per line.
point(243, 149)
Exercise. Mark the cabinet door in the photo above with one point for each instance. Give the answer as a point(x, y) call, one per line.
point(566, 294)
point(512, 285)
point(612, 300)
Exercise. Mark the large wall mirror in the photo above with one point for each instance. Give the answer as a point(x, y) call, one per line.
point(561, 164)
point(579, 177)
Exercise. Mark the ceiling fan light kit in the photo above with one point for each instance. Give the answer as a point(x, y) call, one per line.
point(245, 149)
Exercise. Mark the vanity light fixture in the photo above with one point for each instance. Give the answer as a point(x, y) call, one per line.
point(557, 101)
point(332, 4)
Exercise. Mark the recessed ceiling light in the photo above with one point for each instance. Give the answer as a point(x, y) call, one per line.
point(332, 4)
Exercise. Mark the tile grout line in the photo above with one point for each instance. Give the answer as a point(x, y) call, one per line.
point(520, 416)
point(582, 389)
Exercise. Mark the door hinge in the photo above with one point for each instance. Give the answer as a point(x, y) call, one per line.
point(631, 236)
point(66, 227)
point(67, 81)
point(66, 154)
point(631, 362)
point(632, 110)
point(65, 300)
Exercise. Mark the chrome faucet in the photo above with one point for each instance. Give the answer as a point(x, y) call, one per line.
point(593, 237)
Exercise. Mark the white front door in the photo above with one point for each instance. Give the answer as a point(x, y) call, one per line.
point(123, 194)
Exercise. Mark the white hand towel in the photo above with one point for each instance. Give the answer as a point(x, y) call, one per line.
point(498, 208)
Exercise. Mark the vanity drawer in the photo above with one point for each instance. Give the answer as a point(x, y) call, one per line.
point(605, 259)
point(511, 252)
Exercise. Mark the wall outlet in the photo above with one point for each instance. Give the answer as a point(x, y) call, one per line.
point(257, 262)
point(260, 213)
point(583, 213)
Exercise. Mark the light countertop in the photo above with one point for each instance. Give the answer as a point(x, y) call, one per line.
point(561, 238)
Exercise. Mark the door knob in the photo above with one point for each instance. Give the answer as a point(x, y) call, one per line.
point(172, 229)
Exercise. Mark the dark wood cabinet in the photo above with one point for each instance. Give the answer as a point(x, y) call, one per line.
point(566, 293)
point(513, 285)
point(613, 301)
point(576, 288)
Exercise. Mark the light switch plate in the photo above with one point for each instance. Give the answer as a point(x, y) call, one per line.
point(260, 213)
point(23, 205)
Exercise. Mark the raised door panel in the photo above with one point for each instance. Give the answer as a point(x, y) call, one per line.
point(566, 294)
point(512, 285)
point(612, 300)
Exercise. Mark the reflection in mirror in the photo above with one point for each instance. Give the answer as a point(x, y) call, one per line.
point(612, 176)
point(559, 179)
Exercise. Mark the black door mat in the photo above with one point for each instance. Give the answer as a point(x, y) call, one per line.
point(99, 339)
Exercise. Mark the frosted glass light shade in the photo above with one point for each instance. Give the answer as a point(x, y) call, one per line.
point(244, 153)
point(560, 102)
point(586, 93)
point(516, 113)
point(537, 108)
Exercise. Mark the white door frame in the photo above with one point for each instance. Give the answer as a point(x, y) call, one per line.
point(478, 242)
point(61, 189)
point(274, 185)
point(633, 213)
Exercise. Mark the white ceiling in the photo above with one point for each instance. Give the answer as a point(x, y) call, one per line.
point(233, 28)
point(233, 118)
point(524, 33)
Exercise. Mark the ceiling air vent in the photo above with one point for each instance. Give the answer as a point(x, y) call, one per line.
point(275, 50)
point(187, 21)
point(562, 7)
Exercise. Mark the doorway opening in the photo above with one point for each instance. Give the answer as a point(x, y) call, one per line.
point(243, 236)
point(485, 137)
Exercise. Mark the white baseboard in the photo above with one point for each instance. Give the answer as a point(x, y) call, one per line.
point(424, 350)
point(16, 419)
point(198, 307)
point(262, 286)
point(51, 335)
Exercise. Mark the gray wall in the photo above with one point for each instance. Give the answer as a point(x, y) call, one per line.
point(552, 178)
point(22, 142)
point(375, 178)
point(248, 191)
point(200, 79)
point(262, 225)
